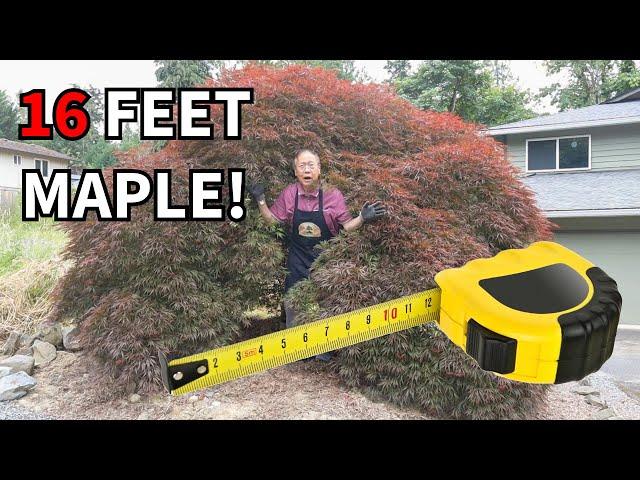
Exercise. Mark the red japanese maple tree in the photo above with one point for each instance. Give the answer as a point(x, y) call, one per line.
point(183, 286)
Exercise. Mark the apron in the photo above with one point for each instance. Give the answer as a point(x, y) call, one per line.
point(307, 230)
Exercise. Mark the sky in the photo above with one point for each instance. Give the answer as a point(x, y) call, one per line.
point(57, 75)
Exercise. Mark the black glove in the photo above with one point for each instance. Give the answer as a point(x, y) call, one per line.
point(256, 191)
point(372, 212)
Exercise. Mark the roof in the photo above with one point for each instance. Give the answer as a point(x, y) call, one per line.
point(628, 96)
point(621, 112)
point(33, 149)
point(587, 194)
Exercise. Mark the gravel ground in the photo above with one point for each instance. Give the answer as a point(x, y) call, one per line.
point(624, 405)
point(304, 390)
point(11, 411)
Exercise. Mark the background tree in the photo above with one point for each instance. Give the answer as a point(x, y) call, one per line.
point(184, 73)
point(8, 117)
point(589, 82)
point(397, 69)
point(500, 71)
point(475, 90)
point(345, 69)
point(628, 78)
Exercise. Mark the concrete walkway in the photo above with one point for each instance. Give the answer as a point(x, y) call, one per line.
point(624, 364)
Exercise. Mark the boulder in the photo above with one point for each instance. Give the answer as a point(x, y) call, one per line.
point(15, 385)
point(28, 351)
point(27, 340)
point(11, 344)
point(70, 339)
point(19, 363)
point(586, 390)
point(51, 334)
point(43, 353)
point(596, 401)
point(4, 371)
point(65, 359)
point(605, 414)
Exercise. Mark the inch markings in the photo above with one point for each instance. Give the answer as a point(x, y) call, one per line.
point(279, 348)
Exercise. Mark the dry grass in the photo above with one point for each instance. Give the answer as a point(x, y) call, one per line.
point(24, 295)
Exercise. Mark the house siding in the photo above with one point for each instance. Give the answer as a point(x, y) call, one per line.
point(611, 147)
point(11, 175)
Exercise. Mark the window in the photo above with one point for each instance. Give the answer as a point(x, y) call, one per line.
point(560, 153)
point(43, 166)
point(17, 160)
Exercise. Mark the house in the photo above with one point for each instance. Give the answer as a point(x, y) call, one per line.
point(584, 167)
point(15, 156)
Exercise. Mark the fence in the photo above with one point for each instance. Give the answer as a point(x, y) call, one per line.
point(8, 196)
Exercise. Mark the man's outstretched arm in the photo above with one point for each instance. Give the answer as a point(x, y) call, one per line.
point(257, 192)
point(369, 213)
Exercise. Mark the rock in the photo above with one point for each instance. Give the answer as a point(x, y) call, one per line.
point(215, 404)
point(15, 385)
point(11, 344)
point(50, 334)
point(585, 381)
point(193, 398)
point(143, 416)
point(134, 398)
point(596, 401)
point(28, 351)
point(19, 363)
point(65, 359)
point(70, 339)
point(586, 390)
point(27, 340)
point(605, 414)
point(4, 371)
point(43, 352)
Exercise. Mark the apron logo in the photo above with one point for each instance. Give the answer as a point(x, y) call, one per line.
point(309, 229)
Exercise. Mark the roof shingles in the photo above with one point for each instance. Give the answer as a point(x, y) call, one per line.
point(613, 191)
point(593, 113)
point(32, 149)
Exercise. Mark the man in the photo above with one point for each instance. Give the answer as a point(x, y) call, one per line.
point(313, 215)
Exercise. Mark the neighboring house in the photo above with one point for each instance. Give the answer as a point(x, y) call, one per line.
point(584, 166)
point(15, 156)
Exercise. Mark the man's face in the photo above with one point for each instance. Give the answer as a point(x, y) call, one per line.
point(307, 169)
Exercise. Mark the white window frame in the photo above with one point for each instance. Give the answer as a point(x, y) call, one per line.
point(557, 169)
point(19, 157)
point(42, 166)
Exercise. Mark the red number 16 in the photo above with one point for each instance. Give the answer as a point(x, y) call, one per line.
point(70, 119)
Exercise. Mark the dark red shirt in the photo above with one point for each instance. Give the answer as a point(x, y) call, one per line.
point(335, 209)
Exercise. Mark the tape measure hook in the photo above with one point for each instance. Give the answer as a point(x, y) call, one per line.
point(175, 376)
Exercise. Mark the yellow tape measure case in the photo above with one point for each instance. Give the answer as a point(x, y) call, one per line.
point(542, 314)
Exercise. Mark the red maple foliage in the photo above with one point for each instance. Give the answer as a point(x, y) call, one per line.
point(451, 195)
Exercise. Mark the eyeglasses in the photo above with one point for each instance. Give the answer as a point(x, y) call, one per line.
point(311, 165)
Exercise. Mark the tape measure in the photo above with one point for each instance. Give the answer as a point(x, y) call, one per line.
point(542, 314)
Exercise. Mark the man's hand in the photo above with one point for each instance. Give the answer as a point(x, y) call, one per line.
point(371, 212)
point(257, 192)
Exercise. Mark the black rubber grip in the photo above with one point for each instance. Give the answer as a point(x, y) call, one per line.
point(588, 334)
